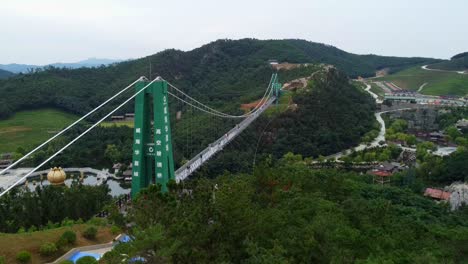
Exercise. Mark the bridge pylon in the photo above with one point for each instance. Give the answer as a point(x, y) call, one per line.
point(152, 161)
point(276, 88)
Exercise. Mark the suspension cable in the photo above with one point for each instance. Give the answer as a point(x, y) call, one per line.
point(70, 126)
point(208, 112)
point(219, 113)
point(272, 79)
point(75, 139)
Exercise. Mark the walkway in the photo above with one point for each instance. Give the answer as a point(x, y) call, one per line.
point(188, 168)
point(99, 249)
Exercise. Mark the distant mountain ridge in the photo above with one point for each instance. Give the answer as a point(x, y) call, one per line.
point(222, 72)
point(458, 62)
point(88, 63)
point(5, 74)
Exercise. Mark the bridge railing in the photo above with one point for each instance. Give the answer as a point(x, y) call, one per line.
point(196, 162)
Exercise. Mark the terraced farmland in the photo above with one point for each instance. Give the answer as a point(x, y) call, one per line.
point(438, 83)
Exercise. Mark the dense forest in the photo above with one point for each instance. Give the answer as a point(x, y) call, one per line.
point(288, 213)
point(49, 205)
point(331, 115)
point(219, 72)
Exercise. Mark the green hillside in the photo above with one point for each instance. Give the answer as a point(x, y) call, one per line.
point(5, 74)
point(221, 71)
point(288, 213)
point(28, 128)
point(330, 115)
point(438, 83)
point(458, 62)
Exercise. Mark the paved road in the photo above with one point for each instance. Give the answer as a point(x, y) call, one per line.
point(427, 69)
point(375, 96)
point(380, 137)
point(362, 146)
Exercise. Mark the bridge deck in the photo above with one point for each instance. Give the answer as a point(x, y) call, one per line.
point(187, 169)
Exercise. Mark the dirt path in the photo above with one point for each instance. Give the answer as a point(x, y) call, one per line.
point(422, 87)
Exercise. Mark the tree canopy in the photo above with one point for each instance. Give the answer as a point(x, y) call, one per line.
point(288, 213)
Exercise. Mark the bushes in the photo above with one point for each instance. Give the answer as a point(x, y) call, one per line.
point(67, 238)
point(97, 221)
point(2, 260)
point(86, 260)
point(115, 230)
point(90, 232)
point(23, 256)
point(48, 249)
point(67, 222)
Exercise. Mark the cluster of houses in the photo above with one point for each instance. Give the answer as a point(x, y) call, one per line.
point(6, 159)
point(383, 172)
point(126, 117)
point(437, 137)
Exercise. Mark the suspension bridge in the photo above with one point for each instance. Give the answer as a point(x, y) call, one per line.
point(152, 153)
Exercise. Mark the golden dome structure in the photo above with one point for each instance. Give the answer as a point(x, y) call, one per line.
point(56, 176)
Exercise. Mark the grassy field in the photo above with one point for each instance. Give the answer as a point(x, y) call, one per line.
point(377, 90)
point(29, 128)
point(438, 83)
point(11, 244)
point(119, 123)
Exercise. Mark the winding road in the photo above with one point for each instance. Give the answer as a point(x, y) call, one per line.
point(380, 137)
point(375, 96)
point(428, 69)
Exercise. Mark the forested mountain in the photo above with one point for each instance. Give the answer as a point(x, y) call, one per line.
point(458, 62)
point(224, 70)
point(331, 115)
point(5, 74)
point(326, 117)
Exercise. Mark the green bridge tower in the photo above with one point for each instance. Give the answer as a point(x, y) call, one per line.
point(152, 161)
point(276, 88)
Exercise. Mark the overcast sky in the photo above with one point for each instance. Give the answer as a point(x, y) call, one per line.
point(47, 31)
